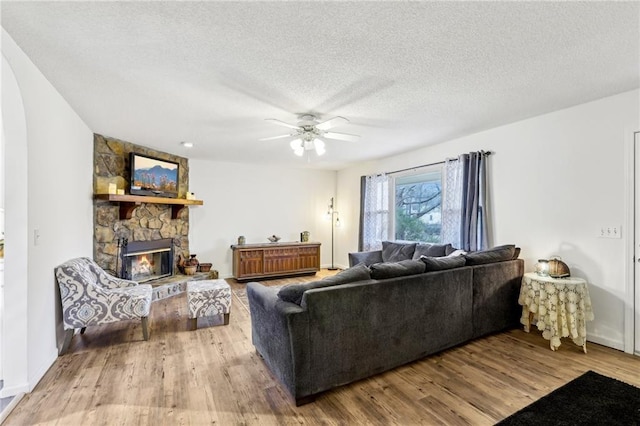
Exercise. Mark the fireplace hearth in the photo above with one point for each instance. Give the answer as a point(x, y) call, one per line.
point(146, 260)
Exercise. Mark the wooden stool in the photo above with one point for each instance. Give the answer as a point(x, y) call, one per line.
point(208, 298)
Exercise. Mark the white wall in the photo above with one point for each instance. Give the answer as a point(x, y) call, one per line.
point(555, 180)
point(256, 201)
point(58, 188)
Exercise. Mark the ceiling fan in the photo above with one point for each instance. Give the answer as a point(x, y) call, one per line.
point(309, 131)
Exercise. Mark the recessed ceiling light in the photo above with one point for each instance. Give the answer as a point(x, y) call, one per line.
point(187, 144)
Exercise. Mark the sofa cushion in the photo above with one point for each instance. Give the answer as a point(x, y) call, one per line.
point(293, 292)
point(395, 252)
point(380, 271)
point(442, 263)
point(430, 250)
point(449, 249)
point(496, 254)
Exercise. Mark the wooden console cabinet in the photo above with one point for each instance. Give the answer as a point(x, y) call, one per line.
point(270, 260)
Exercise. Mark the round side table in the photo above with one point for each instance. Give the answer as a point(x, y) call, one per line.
point(560, 307)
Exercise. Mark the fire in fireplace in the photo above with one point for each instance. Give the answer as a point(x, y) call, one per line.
point(147, 260)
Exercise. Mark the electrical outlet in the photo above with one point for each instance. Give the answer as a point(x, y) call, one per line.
point(610, 232)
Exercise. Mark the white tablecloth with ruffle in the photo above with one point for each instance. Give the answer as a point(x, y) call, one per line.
point(561, 307)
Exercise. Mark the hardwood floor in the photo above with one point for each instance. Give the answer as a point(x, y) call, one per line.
point(110, 376)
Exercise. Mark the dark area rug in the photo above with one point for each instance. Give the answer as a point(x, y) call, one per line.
point(591, 399)
point(241, 294)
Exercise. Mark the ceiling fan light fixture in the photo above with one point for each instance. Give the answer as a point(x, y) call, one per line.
point(297, 146)
point(309, 131)
point(319, 146)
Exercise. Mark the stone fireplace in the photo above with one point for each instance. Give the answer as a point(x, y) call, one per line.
point(148, 222)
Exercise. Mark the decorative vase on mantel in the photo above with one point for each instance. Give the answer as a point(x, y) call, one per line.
point(181, 263)
point(193, 261)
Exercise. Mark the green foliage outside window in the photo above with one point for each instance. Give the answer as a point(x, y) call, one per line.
point(417, 208)
point(413, 229)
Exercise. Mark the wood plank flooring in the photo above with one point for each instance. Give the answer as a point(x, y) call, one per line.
point(111, 376)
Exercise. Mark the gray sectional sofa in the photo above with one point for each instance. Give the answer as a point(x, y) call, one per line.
point(372, 318)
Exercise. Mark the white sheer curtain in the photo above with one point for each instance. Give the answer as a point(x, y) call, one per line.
point(452, 202)
point(464, 212)
point(374, 219)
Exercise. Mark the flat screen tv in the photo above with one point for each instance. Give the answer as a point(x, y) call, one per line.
point(154, 177)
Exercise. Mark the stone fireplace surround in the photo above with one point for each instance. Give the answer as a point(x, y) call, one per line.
point(149, 221)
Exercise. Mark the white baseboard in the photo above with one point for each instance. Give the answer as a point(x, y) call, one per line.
point(335, 266)
point(39, 374)
point(604, 341)
point(8, 391)
point(9, 408)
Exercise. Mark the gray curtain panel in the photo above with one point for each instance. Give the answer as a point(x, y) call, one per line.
point(473, 231)
point(363, 186)
point(464, 209)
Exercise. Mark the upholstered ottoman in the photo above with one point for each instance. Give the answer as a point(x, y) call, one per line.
point(208, 298)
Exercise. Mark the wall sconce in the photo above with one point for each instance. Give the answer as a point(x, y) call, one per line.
point(334, 224)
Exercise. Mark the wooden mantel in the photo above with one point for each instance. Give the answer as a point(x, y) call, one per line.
point(128, 203)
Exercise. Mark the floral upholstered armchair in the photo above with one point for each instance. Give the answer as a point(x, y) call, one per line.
point(90, 296)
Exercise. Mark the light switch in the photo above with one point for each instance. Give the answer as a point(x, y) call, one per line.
point(610, 231)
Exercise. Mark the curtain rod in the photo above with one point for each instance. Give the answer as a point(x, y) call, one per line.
point(431, 164)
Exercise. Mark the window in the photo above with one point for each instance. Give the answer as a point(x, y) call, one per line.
point(416, 211)
point(417, 205)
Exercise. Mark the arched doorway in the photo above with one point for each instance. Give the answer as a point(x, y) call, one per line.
point(14, 337)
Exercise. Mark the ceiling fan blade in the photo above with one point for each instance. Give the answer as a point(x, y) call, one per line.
point(335, 121)
point(282, 123)
point(342, 136)
point(274, 138)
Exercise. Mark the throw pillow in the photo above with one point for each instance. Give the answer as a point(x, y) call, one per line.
point(516, 253)
point(421, 250)
point(449, 249)
point(293, 292)
point(366, 257)
point(380, 271)
point(395, 252)
point(457, 252)
point(430, 250)
point(442, 263)
point(496, 254)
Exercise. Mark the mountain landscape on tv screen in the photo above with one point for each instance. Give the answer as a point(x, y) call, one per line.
point(156, 178)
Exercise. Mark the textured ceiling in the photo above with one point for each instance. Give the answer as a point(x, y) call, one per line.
point(406, 74)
